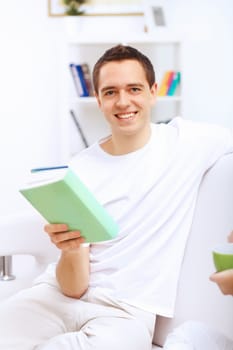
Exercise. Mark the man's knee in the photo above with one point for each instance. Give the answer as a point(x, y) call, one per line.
point(118, 333)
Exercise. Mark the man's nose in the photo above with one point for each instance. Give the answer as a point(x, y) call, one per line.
point(123, 99)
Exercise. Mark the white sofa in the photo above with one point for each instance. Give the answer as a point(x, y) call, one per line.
point(199, 299)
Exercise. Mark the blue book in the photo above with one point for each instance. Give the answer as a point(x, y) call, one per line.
point(76, 79)
point(82, 80)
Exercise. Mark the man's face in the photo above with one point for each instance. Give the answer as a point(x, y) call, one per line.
point(125, 97)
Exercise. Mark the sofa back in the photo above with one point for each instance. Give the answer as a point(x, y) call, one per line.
point(198, 298)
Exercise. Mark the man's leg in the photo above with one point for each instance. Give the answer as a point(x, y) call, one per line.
point(43, 318)
point(106, 325)
point(33, 316)
point(104, 334)
point(197, 336)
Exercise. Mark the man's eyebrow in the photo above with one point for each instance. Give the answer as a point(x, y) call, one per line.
point(106, 88)
point(110, 87)
point(135, 84)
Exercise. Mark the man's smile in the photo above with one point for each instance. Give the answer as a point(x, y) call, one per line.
point(129, 115)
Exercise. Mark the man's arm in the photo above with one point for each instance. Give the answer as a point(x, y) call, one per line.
point(73, 267)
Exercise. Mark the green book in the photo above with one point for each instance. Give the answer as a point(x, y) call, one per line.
point(65, 199)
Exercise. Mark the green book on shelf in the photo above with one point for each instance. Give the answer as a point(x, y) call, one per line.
point(65, 199)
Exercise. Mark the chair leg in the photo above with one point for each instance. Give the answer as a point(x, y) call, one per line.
point(6, 268)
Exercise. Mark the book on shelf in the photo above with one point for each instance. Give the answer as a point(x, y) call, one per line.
point(87, 77)
point(174, 84)
point(82, 79)
point(61, 197)
point(169, 83)
point(166, 81)
point(76, 80)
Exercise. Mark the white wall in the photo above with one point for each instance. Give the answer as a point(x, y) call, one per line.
point(29, 94)
point(33, 57)
point(207, 27)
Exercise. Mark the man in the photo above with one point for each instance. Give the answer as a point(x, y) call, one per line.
point(107, 295)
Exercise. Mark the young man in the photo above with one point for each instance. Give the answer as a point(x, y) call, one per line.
point(107, 295)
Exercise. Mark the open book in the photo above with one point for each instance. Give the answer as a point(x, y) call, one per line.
point(65, 199)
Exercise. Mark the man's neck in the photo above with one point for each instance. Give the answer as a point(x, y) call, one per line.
point(116, 145)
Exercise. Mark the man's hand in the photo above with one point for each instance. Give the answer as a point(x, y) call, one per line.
point(63, 238)
point(72, 270)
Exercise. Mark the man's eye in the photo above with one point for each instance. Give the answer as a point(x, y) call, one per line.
point(135, 89)
point(109, 93)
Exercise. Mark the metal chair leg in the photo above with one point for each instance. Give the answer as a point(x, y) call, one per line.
point(6, 268)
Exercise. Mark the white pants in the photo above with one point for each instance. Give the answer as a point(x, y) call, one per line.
point(197, 336)
point(42, 318)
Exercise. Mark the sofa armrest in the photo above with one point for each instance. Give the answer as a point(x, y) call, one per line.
point(22, 234)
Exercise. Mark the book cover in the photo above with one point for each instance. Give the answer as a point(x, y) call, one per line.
point(76, 79)
point(82, 80)
point(87, 78)
point(165, 83)
point(174, 84)
point(169, 82)
point(66, 199)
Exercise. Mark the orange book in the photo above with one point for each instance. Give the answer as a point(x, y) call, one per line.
point(166, 83)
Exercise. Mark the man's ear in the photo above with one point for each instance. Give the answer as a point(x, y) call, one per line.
point(153, 91)
point(98, 99)
point(154, 88)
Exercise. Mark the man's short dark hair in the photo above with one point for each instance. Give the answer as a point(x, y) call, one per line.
point(120, 53)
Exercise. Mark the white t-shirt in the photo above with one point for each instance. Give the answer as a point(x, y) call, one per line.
point(151, 193)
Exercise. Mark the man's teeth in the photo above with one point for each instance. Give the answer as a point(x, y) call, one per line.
point(125, 116)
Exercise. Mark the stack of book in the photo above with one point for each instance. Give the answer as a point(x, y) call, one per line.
point(82, 79)
point(169, 83)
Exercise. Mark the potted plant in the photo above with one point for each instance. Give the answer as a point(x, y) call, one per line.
point(73, 7)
